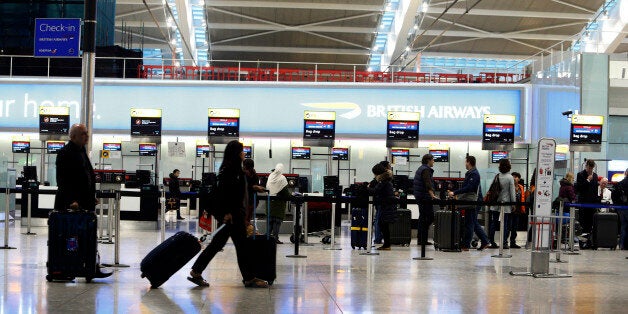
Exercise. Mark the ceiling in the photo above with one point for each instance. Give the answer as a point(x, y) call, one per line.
point(343, 31)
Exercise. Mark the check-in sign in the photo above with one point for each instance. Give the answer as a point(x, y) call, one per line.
point(57, 38)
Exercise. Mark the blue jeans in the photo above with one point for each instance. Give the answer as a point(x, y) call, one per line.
point(472, 225)
point(623, 218)
point(377, 232)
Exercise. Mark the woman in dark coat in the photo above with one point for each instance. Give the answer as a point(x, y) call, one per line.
point(231, 213)
point(385, 202)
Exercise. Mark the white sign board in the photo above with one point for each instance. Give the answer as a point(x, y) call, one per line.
point(544, 187)
point(176, 149)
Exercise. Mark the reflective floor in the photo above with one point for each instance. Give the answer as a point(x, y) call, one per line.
point(327, 281)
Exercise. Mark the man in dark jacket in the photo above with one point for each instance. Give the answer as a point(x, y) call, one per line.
point(75, 177)
point(424, 193)
point(586, 189)
point(174, 187)
point(469, 192)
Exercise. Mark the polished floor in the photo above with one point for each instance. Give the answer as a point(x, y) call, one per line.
point(327, 281)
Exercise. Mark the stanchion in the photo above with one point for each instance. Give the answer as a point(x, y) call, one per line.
point(423, 241)
point(560, 235)
point(305, 237)
point(369, 236)
point(297, 229)
point(501, 235)
point(100, 219)
point(162, 201)
point(109, 238)
point(7, 196)
point(29, 199)
point(572, 219)
point(539, 258)
point(116, 213)
point(332, 244)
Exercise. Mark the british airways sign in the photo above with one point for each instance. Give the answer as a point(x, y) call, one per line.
point(55, 38)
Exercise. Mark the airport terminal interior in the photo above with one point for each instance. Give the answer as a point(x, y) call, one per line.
point(325, 90)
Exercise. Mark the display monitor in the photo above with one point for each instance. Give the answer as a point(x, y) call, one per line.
point(400, 152)
point(223, 125)
point(560, 156)
point(402, 129)
point(202, 150)
point(301, 152)
point(586, 130)
point(498, 129)
point(440, 155)
point(54, 120)
point(498, 155)
point(148, 149)
point(341, 153)
point(319, 128)
point(52, 147)
point(112, 147)
point(145, 122)
point(248, 151)
point(21, 147)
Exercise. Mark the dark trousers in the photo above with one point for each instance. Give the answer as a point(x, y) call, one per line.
point(493, 225)
point(472, 225)
point(623, 238)
point(384, 227)
point(275, 225)
point(377, 232)
point(237, 232)
point(585, 216)
point(426, 218)
point(513, 223)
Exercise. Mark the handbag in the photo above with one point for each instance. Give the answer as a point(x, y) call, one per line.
point(205, 221)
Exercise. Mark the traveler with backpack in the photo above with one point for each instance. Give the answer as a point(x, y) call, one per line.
point(502, 189)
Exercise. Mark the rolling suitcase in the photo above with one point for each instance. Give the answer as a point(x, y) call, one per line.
point(359, 228)
point(168, 257)
point(264, 250)
point(71, 245)
point(447, 226)
point(400, 230)
point(604, 234)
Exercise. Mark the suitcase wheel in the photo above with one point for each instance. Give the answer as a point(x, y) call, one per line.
point(88, 279)
point(49, 278)
point(142, 275)
point(353, 247)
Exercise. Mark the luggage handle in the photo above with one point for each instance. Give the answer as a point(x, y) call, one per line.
point(267, 215)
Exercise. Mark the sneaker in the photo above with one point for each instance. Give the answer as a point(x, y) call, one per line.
point(514, 246)
point(493, 246)
point(483, 246)
point(383, 248)
point(256, 283)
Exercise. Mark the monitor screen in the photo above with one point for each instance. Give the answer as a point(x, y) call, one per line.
point(499, 133)
point(560, 156)
point(229, 127)
point(201, 150)
point(21, 147)
point(403, 130)
point(146, 126)
point(440, 155)
point(248, 152)
point(400, 152)
point(319, 129)
point(54, 124)
point(496, 156)
point(112, 147)
point(341, 153)
point(53, 146)
point(301, 152)
point(148, 149)
point(585, 134)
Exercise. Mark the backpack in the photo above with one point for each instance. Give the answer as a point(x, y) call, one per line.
point(556, 202)
point(618, 195)
point(493, 191)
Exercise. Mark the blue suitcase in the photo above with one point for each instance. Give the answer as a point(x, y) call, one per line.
point(359, 228)
point(71, 245)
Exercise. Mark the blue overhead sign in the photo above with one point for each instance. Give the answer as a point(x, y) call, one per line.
point(57, 37)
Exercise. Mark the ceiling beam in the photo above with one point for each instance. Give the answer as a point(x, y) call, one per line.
point(295, 5)
point(159, 40)
point(262, 27)
point(271, 49)
point(511, 13)
point(477, 34)
point(136, 12)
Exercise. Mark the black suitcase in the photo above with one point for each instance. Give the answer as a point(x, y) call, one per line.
point(71, 245)
point(400, 230)
point(447, 226)
point(604, 234)
point(359, 228)
point(264, 249)
point(168, 257)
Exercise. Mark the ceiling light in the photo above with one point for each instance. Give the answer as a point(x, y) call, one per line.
point(408, 48)
point(424, 6)
point(416, 26)
point(173, 41)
